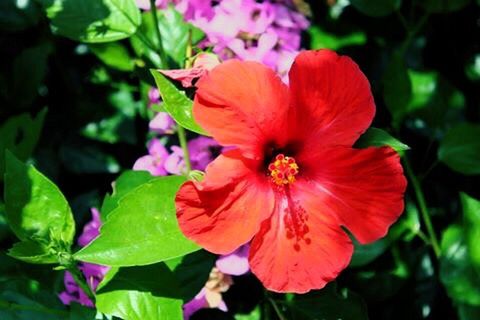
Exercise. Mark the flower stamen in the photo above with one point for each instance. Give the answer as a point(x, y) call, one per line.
point(283, 170)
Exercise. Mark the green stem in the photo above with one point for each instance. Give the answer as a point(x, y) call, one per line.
point(423, 207)
point(161, 52)
point(21, 307)
point(277, 309)
point(80, 280)
point(182, 137)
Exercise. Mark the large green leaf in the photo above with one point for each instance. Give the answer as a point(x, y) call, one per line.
point(374, 137)
point(328, 304)
point(376, 8)
point(20, 135)
point(149, 292)
point(460, 149)
point(127, 182)
point(93, 20)
point(36, 208)
point(471, 214)
point(142, 230)
point(456, 271)
point(176, 103)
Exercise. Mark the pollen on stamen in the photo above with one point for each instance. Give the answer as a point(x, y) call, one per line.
point(283, 170)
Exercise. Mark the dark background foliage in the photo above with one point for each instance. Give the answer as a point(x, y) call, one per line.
point(96, 126)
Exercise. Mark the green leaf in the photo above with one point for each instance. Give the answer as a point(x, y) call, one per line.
point(460, 149)
point(471, 214)
point(443, 6)
point(93, 20)
point(376, 8)
point(375, 137)
point(397, 88)
point(17, 16)
point(36, 208)
point(176, 103)
point(328, 304)
point(364, 254)
point(128, 181)
point(321, 39)
point(254, 315)
point(20, 135)
point(174, 31)
point(434, 99)
point(191, 272)
point(114, 55)
point(148, 292)
point(142, 230)
point(456, 271)
point(32, 252)
point(79, 312)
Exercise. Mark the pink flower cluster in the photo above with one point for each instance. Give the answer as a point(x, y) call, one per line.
point(267, 31)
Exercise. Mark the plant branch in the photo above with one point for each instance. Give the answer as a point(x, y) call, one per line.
point(275, 306)
point(161, 51)
point(423, 207)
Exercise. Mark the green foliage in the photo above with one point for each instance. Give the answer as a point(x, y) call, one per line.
point(176, 103)
point(18, 16)
point(138, 293)
point(114, 55)
point(128, 181)
point(149, 229)
point(376, 8)
point(329, 304)
point(471, 214)
point(397, 88)
point(20, 135)
point(321, 39)
point(93, 21)
point(443, 6)
point(375, 137)
point(175, 37)
point(456, 271)
point(460, 149)
point(37, 212)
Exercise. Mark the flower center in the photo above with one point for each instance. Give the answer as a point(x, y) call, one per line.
point(283, 170)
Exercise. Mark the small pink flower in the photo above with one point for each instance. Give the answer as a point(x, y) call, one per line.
point(162, 123)
point(153, 162)
point(203, 63)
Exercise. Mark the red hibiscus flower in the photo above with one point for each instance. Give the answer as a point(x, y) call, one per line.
point(293, 178)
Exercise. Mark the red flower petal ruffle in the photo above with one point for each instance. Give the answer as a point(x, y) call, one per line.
point(242, 104)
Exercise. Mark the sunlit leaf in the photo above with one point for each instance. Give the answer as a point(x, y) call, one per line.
point(321, 39)
point(375, 137)
point(471, 213)
point(142, 230)
point(114, 55)
point(176, 103)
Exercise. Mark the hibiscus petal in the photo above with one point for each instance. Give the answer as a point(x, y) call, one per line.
point(242, 104)
point(301, 247)
point(364, 187)
point(331, 99)
point(225, 210)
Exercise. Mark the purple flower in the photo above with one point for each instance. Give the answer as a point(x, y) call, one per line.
point(155, 160)
point(93, 273)
point(162, 123)
point(153, 96)
point(235, 263)
point(220, 280)
point(202, 151)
